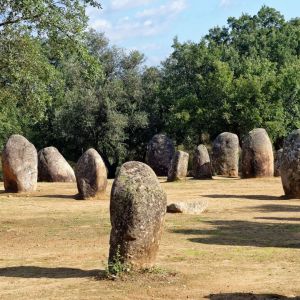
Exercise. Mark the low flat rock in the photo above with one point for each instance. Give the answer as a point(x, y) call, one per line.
point(188, 207)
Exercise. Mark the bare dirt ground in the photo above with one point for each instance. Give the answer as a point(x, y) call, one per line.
point(245, 246)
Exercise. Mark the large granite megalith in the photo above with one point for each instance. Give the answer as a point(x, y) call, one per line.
point(178, 166)
point(290, 165)
point(225, 155)
point(137, 209)
point(160, 151)
point(201, 163)
point(53, 167)
point(91, 175)
point(257, 155)
point(19, 165)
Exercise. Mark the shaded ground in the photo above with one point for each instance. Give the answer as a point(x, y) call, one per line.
point(246, 246)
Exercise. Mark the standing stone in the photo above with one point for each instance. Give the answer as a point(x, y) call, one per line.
point(201, 163)
point(257, 155)
point(91, 175)
point(137, 210)
point(277, 163)
point(53, 167)
point(290, 165)
point(179, 166)
point(225, 155)
point(19, 165)
point(160, 151)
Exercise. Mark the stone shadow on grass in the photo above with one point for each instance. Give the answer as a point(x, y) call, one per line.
point(278, 219)
point(245, 233)
point(57, 196)
point(248, 197)
point(249, 296)
point(44, 272)
point(276, 208)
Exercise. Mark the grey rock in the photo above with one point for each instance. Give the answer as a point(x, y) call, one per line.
point(52, 166)
point(225, 155)
point(137, 210)
point(19, 165)
point(277, 162)
point(201, 163)
point(91, 175)
point(290, 165)
point(160, 151)
point(257, 155)
point(179, 166)
point(188, 207)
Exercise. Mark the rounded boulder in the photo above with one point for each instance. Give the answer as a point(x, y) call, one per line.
point(53, 167)
point(179, 166)
point(225, 155)
point(137, 210)
point(160, 151)
point(19, 165)
point(201, 163)
point(290, 165)
point(91, 175)
point(257, 155)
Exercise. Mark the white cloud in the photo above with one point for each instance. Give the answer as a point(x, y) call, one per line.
point(148, 22)
point(126, 4)
point(172, 7)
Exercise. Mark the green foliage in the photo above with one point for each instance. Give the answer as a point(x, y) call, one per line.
point(66, 86)
point(117, 267)
point(236, 78)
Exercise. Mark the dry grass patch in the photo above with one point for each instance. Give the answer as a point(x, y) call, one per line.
point(247, 244)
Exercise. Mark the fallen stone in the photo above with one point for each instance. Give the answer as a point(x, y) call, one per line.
point(188, 207)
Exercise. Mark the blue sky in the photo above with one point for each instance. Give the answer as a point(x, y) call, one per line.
point(150, 25)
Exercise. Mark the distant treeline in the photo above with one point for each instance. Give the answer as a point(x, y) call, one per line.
point(66, 86)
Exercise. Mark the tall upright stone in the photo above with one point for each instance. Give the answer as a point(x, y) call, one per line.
point(201, 163)
point(19, 165)
point(290, 165)
point(225, 155)
point(257, 155)
point(160, 151)
point(52, 166)
point(179, 166)
point(137, 210)
point(277, 162)
point(91, 175)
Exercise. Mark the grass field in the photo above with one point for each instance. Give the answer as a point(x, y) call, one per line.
point(248, 241)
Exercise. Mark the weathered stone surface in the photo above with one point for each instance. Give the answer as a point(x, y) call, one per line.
point(201, 163)
point(160, 151)
point(137, 210)
point(290, 165)
point(188, 207)
point(179, 166)
point(277, 162)
point(91, 175)
point(225, 155)
point(257, 155)
point(53, 167)
point(19, 165)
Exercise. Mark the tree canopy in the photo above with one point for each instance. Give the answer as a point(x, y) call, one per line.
point(64, 85)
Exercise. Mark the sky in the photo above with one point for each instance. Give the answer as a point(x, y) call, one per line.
point(151, 25)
